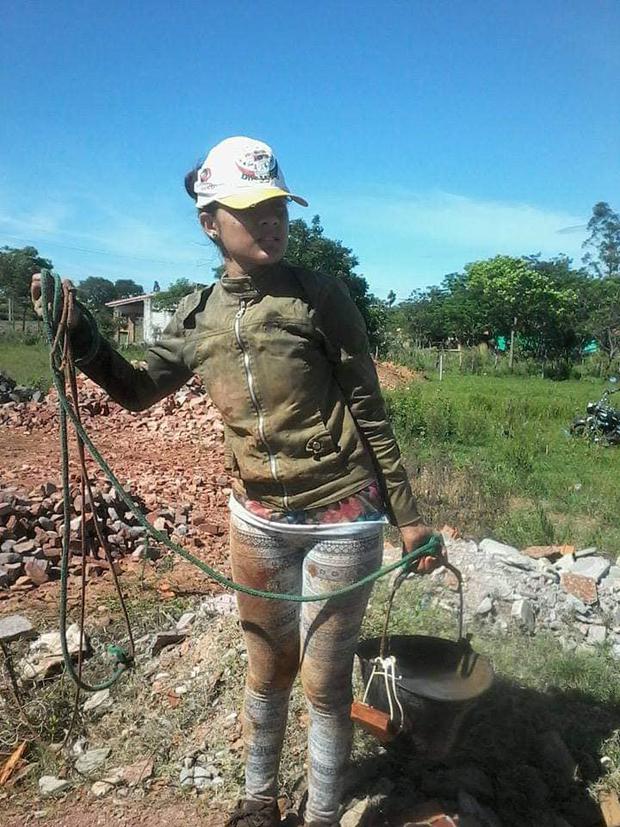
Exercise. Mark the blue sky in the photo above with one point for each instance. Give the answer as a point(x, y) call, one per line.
point(426, 134)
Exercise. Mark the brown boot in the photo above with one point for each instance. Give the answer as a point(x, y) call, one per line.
point(255, 814)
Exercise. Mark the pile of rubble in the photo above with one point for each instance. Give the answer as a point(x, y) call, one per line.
point(191, 407)
point(13, 394)
point(571, 593)
point(32, 523)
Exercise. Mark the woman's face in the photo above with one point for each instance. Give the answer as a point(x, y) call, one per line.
point(251, 238)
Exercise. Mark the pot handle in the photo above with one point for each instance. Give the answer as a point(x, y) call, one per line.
point(397, 584)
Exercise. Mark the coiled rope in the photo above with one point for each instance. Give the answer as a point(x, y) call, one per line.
point(63, 372)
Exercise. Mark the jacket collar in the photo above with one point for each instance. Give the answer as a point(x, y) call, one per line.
point(250, 285)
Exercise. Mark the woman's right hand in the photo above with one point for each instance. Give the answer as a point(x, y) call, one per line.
point(35, 294)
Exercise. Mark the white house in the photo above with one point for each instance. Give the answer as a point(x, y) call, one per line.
point(139, 321)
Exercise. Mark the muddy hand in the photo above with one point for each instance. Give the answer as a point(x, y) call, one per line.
point(35, 294)
point(413, 537)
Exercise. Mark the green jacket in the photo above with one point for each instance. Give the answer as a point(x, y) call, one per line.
point(284, 356)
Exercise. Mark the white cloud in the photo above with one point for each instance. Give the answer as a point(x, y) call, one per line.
point(461, 221)
point(407, 239)
point(86, 236)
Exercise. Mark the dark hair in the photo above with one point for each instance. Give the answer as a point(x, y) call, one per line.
point(190, 180)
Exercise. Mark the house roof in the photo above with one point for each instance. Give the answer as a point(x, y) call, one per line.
point(129, 300)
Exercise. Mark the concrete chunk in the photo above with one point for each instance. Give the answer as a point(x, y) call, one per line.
point(50, 785)
point(508, 555)
point(494, 547)
point(594, 567)
point(92, 760)
point(523, 614)
point(15, 627)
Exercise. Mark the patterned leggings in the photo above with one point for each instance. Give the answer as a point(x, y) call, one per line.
point(317, 638)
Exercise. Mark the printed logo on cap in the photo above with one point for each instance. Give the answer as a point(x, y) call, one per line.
point(205, 174)
point(257, 165)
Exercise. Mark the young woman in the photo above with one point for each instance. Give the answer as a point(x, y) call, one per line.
point(284, 356)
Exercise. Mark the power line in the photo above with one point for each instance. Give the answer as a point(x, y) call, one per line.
point(108, 253)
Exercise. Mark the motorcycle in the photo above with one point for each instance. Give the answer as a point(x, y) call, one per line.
point(601, 425)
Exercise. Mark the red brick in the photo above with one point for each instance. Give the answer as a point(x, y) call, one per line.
point(584, 588)
point(539, 552)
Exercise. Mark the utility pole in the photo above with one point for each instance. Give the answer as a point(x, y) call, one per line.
point(512, 343)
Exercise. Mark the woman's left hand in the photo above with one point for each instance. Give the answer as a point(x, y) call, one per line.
point(413, 537)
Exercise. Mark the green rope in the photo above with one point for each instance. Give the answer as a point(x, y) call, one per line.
point(431, 548)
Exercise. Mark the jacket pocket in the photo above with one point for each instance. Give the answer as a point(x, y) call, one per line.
point(321, 445)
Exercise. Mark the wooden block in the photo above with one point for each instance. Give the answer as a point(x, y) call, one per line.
point(374, 721)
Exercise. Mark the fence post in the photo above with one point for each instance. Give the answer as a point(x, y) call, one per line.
point(441, 366)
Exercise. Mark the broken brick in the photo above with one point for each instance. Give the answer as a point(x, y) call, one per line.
point(581, 587)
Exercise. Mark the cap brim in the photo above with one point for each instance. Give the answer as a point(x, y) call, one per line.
point(244, 201)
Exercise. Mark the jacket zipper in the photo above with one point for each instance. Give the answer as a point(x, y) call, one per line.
point(273, 465)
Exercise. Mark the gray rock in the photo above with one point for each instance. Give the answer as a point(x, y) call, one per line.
point(356, 813)
point(613, 577)
point(12, 571)
point(522, 613)
point(92, 760)
point(186, 777)
point(15, 627)
point(575, 605)
point(494, 547)
point(594, 567)
point(508, 555)
point(98, 700)
point(164, 639)
point(9, 557)
point(596, 635)
point(45, 653)
point(101, 788)
point(565, 563)
point(185, 621)
point(50, 785)
point(202, 777)
point(47, 524)
point(484, 607)
point(586, 552)
point(221, 604)
point(501, 591)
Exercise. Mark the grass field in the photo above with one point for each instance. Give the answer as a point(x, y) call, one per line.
point(28, 362)
point(492, 455)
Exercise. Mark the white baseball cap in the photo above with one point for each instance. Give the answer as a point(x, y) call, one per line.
point(240, 172)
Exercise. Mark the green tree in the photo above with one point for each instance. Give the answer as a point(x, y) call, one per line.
point(528, 297)
point(169, 299)
point(17, 266)
point(422, 317)
point(126, 288)
point(602, 300)
point(96, 291)
point(309, 247)
point(603, 242)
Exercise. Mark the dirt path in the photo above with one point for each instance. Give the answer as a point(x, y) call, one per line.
point(157, 810)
